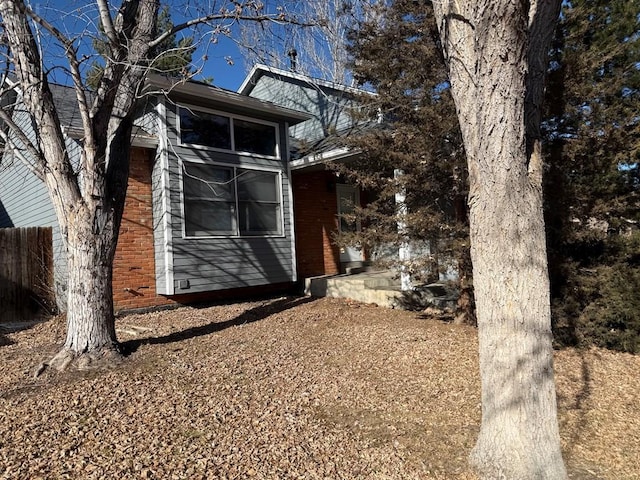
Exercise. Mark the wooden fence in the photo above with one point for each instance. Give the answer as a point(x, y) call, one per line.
point(26, 273)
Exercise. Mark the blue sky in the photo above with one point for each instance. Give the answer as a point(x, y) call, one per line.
point(218, 67)
point(225, 63)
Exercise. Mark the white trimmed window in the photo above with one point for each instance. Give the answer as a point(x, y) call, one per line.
point(230, 201)
point(213, 130)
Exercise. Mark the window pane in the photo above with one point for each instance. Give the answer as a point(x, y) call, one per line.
point(259, 218)
point(209, 200)
point(208, 218)
point(257, 186)
point(199, 128)
point(254, 137)
point(259, 202)
point(208, 182)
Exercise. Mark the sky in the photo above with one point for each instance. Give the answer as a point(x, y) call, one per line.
point(225, 65)
point(224, 61)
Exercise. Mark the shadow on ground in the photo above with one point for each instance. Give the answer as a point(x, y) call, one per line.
point(4, 340)
point(249, 316)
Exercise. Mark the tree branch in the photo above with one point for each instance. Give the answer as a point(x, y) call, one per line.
point(279, 18)
point(107, 24)
point(38, 100)
point(71, 53)
point(542, 14)
point(35, 167)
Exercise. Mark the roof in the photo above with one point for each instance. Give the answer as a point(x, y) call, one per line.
point(228, 98)
point(259, 70)
point(66, 103)
point(330, 148)
point(64, 98)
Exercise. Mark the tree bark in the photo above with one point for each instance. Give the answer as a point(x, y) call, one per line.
point(90, 319)
point(487, 46)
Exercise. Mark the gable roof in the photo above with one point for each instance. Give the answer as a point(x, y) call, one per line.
point(259, 70)
point(313, 150)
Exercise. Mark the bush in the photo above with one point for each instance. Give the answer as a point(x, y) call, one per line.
point(597, 300)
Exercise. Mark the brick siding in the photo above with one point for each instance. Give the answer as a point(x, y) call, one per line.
point(134, 283)
point(315, 207)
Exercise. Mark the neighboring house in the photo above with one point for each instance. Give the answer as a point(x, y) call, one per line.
point(209, 202)
point(320, 197)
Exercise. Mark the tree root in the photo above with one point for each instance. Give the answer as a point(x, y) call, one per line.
point(101, 359)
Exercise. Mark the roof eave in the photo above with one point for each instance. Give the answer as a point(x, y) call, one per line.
point(259, 69)
point(315, 159)
point(225, 97)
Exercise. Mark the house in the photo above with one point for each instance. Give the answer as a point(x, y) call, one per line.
point(209, 201)
point(320, 197)
point(227, 191)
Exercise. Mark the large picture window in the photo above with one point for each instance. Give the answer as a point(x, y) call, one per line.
point(226, 132)
point(228, 201)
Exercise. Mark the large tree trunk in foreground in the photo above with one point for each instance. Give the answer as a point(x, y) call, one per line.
point(90, 235)
point(494, 65)
point(90, 324)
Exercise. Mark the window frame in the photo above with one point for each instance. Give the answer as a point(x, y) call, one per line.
point(278, 179)
point(231, 117)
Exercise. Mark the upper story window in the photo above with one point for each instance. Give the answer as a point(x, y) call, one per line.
point(225, 132)
point(206, 129)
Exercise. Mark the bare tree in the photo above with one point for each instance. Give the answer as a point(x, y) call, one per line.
point(497, 56)
point(319, 51)
point(88, 198)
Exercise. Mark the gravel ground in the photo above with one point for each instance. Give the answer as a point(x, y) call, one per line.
point(289, 388)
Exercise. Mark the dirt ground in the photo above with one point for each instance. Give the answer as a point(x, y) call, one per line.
point(289, 388)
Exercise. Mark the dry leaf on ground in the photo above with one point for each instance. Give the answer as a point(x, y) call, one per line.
point(289, 388)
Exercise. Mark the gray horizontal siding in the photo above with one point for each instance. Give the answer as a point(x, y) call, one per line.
point(25, 201)
point(330, 108)
point(234, 262)
point(147, 117)
point(25, 197)
point(223, 263)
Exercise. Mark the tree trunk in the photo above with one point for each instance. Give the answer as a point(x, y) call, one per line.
point(519, 435)
point(91, 336)
point(88, 193)
point(90, 319)
point(487, 45)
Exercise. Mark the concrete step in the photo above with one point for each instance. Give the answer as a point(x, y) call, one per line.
point(381, 288)
point(367, 287)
